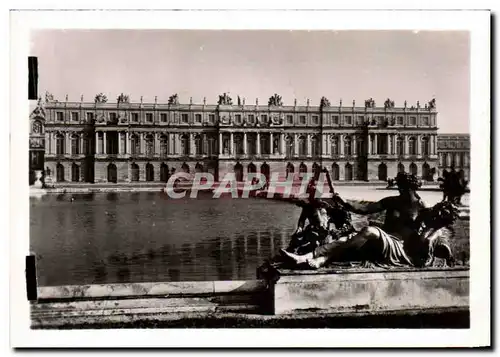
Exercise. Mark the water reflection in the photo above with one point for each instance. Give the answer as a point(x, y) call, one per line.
point(124, 237)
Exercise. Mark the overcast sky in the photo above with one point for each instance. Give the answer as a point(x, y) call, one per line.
point(352, 65)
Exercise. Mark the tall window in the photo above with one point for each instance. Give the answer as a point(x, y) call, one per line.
point(150, 145)
point(198, 145)
point(413, 120)
point(335, 119)
point(184, 118)
point(135, 144)
point(315, 151)
point(335, 145)
point(113, 118)
point(60, 144)
point(238, 143)
point(347, 146)
point(74, 116)
point(212, 146)
point(263, 118)
point(412, 146)
point(290, 147)
point(348, 120)
point(400, 146)
point(425, 146)
point(302, 146)
point(185, 145)
point(164, 145)
point(60, 116)
point(315, 119)
point(149, 117)
point(163, 117)
point(399, 120)
point(197, 118)
point(75, 144)
point(252, 143)
point(265, 144)
point(237, 118)
point(302, 119)
point(211, 118)
point(289, 119)
point(90, 117)
point(251, 118)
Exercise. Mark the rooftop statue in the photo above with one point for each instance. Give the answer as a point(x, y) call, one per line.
point(225, 99)
point(173, 99)
point(432, 104)
point(275, 101)
point(49, 97)
point(411, 235)
point(324, 102)
point(369, 103)
point(389, 104)
point(100, 98)
point(122, 98)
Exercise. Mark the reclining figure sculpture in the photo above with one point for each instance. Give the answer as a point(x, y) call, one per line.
point(412, 234)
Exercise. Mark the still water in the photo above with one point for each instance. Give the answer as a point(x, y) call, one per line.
point(145, 237)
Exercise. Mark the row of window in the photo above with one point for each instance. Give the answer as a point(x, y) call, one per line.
point(251, 118)
point(455, 160)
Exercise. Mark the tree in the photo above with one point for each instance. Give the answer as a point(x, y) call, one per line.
point(100, 98)
point(173, 99)
point(275, 101)
point(122, 98)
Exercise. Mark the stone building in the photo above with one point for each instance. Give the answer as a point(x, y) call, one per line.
point(127, 142)
point(454, 152)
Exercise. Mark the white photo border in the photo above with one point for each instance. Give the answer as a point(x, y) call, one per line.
point(476, 22)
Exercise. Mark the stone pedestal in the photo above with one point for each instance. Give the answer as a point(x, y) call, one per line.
point(372, 291)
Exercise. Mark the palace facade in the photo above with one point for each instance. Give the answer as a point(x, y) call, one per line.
point(454, 152)
point(129, 142)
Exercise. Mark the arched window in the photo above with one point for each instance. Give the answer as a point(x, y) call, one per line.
point(412, 146)
point(413, 169)
point(60, 144)
point(302, 146)
point(426, 172)
point(198, 167)
point(382, 172)
point(150, 172)
point(289, 169)
point(251, 168)
point(302, 168)
point(347, 146)
point(60, 173)
point(400, 146)
point(265, 170)
point(315, 146)
point(348, 172)
point(290, 146)
point(335, 145)
point(164, 146)
point(75, 144)
point(184, 145)
point(335, 172)
point(150, 145)
point(401, 167)
point(112, 174)
point(238, 172)
point(135, 145)
point(426, 150)
point(164, 172)
point(75, 173)
point(185, 168)
point(198, 145)
point(134, 172)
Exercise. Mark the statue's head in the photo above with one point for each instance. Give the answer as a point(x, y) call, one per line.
point(407, 182)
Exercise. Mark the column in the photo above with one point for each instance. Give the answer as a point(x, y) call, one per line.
point(156, 137)
point(205, 145)
point(328, 144)
point(309, 146)
point(142, 146)
point(389, 147)
point(271, 151)
point(394, 141)
point(231, 143)
point(50, 148)
point(434, 147)
point(406, 144)
point(81, 143)
point(419, 145)
point(354, 145)
point(245, 149)
point(282, 144)
point(258, 143)
point(104, 148)
point(220, 143)
point(97, 142)
point(191, 144)
point(67, 143)
point(127, 143)
point(375, 144)
point(369, 144)
point(296, 144)
point(341, 144)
